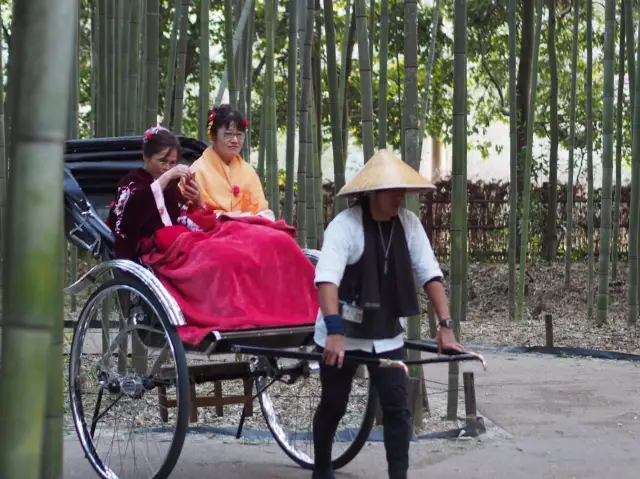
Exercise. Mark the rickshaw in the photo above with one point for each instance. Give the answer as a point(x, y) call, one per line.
point(143, 317)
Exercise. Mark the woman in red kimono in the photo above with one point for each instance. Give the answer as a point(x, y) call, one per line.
point(150, 196)
point(225, 273)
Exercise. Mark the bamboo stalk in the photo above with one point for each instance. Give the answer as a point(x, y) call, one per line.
point(52, 447)
point(412, 157)
point(3, 163)
point(269, 103)
point(292, 83)
point(142, 92)
point(528, 160)
point(366, 88)
point(459, 187)
point(152, 55)
point(312, 139)
point(230, 51)
point(589, 128)
point(334, 106)
point(427, 80)
point(203, 108)
point(134, 67)
point(607, 160)
point(382, 82)
point(513, 159)
point(181, 67)
point(125, 53)
point(249, 86)
point(632, 317)
point(110, 43)
point(32, 299)
point(619, 142)
point(342, 83)
point(93, 58)
point(305, 127)
point(172, 60)
point(571, 145)
point(247, 9)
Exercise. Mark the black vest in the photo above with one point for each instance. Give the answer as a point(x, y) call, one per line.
point(395, 291)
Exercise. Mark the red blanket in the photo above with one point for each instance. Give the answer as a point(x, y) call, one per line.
point(246, 272)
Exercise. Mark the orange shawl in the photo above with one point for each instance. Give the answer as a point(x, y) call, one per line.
point(233, 187)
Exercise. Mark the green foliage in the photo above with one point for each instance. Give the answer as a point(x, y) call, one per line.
point(487, 72)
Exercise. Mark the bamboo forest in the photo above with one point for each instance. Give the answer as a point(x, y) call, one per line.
point(522, 115)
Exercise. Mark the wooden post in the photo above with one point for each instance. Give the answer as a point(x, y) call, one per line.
point(548, 326)
point(474, 426)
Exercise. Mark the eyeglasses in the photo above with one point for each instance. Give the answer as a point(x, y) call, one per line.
point(228, 135)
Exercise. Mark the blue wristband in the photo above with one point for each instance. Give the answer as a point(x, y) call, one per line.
point(334, 324)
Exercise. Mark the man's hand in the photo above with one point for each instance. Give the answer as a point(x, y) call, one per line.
point(334, 350)
point(446, 341)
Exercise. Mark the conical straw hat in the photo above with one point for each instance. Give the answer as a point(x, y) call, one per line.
point(385, 171)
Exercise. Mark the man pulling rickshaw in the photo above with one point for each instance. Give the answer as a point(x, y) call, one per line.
point(366, 289)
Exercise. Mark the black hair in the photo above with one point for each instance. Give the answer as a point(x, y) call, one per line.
point(223, 116)
point(157, 139)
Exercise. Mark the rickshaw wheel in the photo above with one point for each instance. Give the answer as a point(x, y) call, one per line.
point(353, 430)
point(142, 317)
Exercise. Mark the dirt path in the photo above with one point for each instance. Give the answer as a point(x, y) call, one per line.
point(548, 418)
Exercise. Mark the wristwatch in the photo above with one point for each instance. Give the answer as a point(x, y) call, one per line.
point(446, 323)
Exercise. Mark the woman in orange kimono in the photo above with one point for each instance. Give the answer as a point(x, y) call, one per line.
point(229, 184)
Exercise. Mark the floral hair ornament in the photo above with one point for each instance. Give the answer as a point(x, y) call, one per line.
point(210, 120)
point(148, 134)
point(246, 124)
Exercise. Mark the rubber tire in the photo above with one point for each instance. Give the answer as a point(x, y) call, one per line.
point(351, 452)
point(182, 380)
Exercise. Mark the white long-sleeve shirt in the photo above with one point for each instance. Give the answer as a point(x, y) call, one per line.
point(343, 245)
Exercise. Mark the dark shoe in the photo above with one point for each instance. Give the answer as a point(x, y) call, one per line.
point(324, 474)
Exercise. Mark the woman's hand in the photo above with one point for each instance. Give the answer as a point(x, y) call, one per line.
point(176, 173)
point(191, 191)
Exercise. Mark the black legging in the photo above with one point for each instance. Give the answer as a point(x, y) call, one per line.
point(391, 386)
